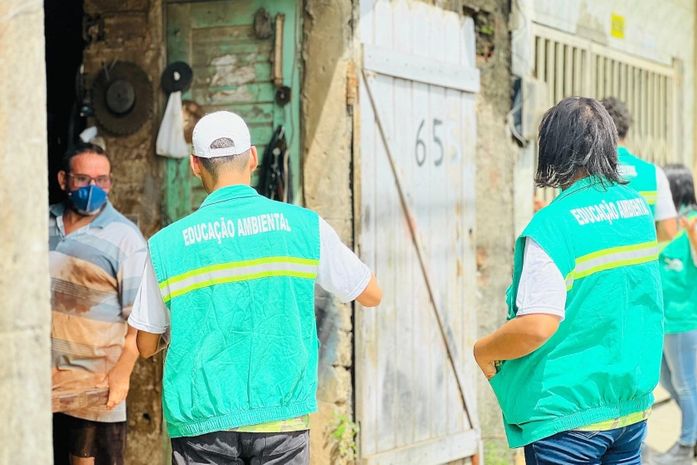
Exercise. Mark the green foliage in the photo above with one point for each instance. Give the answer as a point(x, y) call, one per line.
point(486, 29)
point(343, 433)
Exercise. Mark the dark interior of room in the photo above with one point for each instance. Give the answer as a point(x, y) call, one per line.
point(64, 46)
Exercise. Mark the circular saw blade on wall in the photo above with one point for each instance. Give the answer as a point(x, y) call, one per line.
point(122, 98)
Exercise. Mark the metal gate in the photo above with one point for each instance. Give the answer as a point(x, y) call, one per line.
point(414, 376)
point(569, 65)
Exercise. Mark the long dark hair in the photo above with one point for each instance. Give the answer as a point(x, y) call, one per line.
point(682, 185)
point(576, 134)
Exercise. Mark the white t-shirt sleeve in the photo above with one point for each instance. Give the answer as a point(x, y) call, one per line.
point(665, 208)
point(149, 314)
point(542, 288)
point(340, 271)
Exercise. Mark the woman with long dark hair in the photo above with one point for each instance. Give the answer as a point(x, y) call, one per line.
point(679, 276)
point(575, 366)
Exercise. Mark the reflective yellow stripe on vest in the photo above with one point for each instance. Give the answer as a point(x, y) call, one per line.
point(649, 196)
point(621, 422)
point(237, 271)
point(614, 257)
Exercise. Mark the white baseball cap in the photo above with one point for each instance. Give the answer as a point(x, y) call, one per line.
point(220, 125)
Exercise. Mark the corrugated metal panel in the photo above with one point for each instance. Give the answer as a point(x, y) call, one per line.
point(408, 402)
point(233, 71)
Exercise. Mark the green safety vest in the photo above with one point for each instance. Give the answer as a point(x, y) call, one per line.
point(640, 174)
point(603, 361)
point(238, 276)
point(679, 277)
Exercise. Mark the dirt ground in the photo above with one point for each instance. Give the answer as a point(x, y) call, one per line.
point(664, 423)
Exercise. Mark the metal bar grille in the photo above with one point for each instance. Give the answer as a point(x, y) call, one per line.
point(570, 65)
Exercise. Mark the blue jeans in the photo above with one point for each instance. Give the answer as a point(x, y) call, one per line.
point(621, 446)
point(679, 378)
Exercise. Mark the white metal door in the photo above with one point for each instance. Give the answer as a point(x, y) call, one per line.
point(414, 377)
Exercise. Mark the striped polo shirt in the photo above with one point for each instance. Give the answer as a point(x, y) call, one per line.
point(95, 275)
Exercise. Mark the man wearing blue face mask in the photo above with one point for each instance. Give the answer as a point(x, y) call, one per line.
point(96, 260)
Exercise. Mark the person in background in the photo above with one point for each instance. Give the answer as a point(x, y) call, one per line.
point(234, 284)
point(646, 178)
point(96, 260)
point(679, 277)
point(575, 366)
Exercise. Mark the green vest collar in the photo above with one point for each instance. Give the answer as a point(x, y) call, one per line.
point(583, 183)
point(236, 191)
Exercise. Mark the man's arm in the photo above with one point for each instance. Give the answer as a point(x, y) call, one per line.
point(342, 273)
point(372, 295)
point(150, 316)
point(130, 269)
point(666, 229)
point(149, 344)
point(118, 379)
point(517, 338)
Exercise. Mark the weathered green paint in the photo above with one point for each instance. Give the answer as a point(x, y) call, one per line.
point(233, 71)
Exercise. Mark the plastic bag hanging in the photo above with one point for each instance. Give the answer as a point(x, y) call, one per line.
point(170, 138)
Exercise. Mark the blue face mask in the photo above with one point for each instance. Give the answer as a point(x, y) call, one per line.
point(87, 200)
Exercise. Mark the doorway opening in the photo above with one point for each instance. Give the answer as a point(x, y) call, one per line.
point(63, 26)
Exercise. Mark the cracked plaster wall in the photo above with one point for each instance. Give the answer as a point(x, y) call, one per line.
point(25, 376)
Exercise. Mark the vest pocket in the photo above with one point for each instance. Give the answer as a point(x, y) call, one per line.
point(516, 390)
point(499, 388)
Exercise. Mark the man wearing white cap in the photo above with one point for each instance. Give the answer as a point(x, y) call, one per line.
point(232, 284)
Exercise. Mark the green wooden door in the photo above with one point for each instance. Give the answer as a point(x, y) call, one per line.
point(233, 70)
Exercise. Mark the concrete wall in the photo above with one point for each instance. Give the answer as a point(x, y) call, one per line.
point(25, 376)
point(496, 157)
point(134, 32)
point(327, 170)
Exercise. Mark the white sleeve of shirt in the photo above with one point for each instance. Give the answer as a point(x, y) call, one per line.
point(149, 314)
point(665, 208)
point(542, 288)
point(340, 271)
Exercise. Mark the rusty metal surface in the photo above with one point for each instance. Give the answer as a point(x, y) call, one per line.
point(127, 120)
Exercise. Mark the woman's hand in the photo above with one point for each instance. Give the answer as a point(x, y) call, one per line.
point(488, 367)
